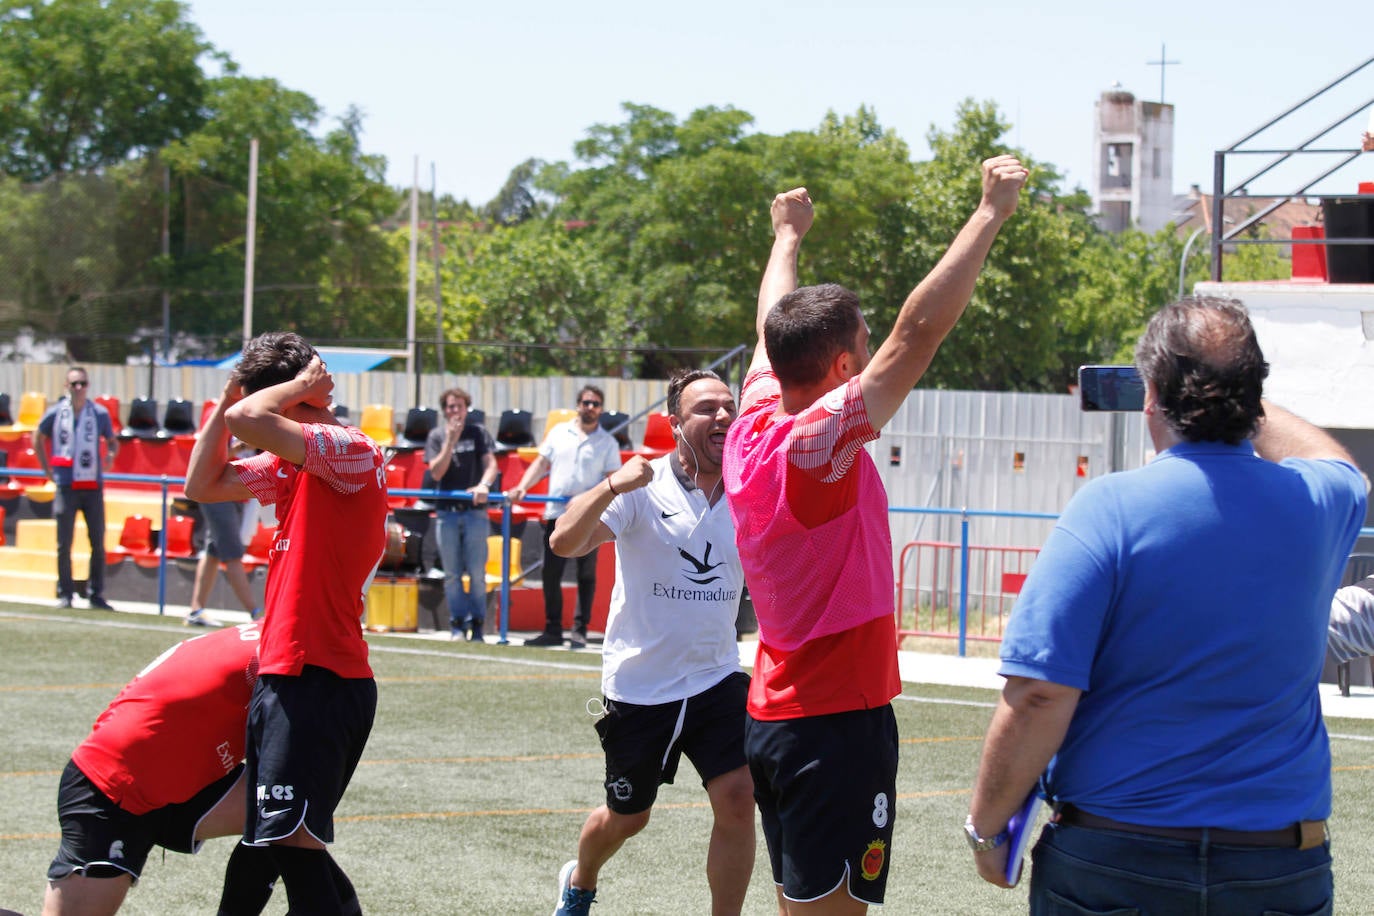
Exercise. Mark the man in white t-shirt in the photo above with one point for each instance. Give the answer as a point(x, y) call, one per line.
point(577, 456)
point(670, 667)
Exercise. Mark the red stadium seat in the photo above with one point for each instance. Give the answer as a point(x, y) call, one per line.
point(111, 403)
point(658, 435)
point(258, 550)
point(176, 541)
point(135, 540)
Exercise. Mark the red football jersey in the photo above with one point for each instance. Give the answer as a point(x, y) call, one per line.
point(178, 726)
point(331, 531)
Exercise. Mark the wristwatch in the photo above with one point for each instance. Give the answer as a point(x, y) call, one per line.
point(982, 844)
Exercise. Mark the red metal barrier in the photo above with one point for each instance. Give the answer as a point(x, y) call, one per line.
point(928, 588)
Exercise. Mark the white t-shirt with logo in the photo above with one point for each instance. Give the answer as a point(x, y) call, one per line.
point(671, 630)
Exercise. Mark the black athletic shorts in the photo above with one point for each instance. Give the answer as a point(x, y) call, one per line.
point(102, 840)
point(305, 735)
point(643, 744)
point(827, 788)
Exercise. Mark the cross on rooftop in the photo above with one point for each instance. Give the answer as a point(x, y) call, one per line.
point(1161, 64)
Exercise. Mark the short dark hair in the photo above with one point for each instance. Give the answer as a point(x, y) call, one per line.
point(679, 382)
point(1208, 371)
point(458, 393)
point(272, 358)
point(601, 395)
point(807, 329)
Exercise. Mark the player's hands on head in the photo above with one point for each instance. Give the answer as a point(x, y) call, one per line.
point(1003, 178)
point(233, 392)
point(319, 384)
point(792, 212)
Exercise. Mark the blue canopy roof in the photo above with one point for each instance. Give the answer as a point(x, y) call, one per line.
point(339, 359)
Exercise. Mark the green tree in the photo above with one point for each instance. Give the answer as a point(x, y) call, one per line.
point(323, 266)
point(678, 214)
point(86, 84)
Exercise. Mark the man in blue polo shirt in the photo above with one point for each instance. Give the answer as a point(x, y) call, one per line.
point(1163, 658)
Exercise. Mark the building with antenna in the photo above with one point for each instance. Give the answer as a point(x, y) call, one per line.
point(1133, 162)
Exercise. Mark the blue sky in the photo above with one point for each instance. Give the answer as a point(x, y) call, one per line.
point(477, 89)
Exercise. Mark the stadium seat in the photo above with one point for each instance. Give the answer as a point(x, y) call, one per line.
point(7, 431)
point(610, 419)
point(176, 542)
point(179, 419)
point(111, 405)
point(21, 458)
point(340, 411)
point(494, 562)
point(379, 424)
point(135, 540)
point(514, 430)
point(396, 479)
point(419, 422)
point(143, 422)
point(32, 406)
point(177, 537)
point(257, 551)
point(556, 416)
point(477, 416)
point(206, 408)
point(658, 434)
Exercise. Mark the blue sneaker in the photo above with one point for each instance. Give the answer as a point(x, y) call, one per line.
point(572, 901)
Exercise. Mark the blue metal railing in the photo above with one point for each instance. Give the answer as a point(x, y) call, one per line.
point(497, 499)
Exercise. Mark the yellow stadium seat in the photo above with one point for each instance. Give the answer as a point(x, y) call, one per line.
point(556, 416)
point(494, 562)
point(379, 423)
point(32, 406)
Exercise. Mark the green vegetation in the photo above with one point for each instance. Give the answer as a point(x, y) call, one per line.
point(648, 243)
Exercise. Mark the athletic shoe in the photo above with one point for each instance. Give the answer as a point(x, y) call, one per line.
point(101, 604)
point(546, 639)
point(572, 901)
point(201, 619)
point(577, 639)
point(476, 634)
point(63, 602)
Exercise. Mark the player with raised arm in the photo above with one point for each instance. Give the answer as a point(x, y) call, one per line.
point(811, 523)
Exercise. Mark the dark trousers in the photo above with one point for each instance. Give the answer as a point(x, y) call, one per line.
point(553, 586)
point(1080, 870)
point(91, 504)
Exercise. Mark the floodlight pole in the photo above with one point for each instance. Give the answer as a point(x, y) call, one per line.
point(250, 245)
point(411, 363)
point(438, 280)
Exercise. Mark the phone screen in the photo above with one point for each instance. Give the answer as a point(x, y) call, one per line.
point(1110, 388)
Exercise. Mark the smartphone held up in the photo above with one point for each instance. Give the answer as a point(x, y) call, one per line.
point(1115, 388)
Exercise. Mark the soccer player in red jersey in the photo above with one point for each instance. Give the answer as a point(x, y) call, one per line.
point(162, 766)
point(315, 700)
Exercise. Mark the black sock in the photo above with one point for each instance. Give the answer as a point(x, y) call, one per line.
point(348, 898)
point(309, 878)
point(248, 881)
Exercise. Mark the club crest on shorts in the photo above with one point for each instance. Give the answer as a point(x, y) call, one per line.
point(871, 866)
point(622, 789)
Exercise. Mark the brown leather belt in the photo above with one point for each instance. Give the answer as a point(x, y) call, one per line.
point(1301, 835)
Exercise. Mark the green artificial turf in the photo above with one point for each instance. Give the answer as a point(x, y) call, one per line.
point(480, 770)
